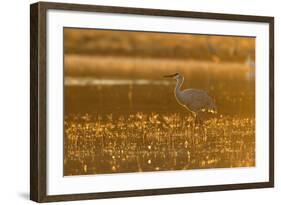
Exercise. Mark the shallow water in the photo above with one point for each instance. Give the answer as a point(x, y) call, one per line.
point(90, 95)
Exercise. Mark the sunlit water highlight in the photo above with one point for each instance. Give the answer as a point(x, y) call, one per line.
point(86, 81)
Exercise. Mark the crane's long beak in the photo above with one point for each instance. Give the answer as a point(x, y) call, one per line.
point(170, 76)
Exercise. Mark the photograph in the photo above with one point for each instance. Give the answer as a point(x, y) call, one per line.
point(142, 101)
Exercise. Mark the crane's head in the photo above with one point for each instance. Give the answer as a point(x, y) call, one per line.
point(175, 76)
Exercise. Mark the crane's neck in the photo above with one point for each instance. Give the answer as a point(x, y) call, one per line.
point(178, 93)
point(178, 85)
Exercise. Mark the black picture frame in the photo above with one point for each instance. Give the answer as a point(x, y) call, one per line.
point(38, 101)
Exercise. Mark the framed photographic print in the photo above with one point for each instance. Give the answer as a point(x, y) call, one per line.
point(133, 102)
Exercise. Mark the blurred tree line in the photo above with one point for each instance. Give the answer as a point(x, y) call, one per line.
point(158, 45)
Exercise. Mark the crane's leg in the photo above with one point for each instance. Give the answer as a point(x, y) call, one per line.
point(194, 128)
point(203, 130)
point(198, 120)
point(200, 123)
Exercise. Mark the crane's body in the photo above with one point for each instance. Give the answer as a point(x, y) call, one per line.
point(196, 101)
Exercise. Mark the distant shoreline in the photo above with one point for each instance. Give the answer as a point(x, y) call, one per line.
point(148, 68)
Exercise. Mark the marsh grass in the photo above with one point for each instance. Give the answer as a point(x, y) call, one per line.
point(100, 144)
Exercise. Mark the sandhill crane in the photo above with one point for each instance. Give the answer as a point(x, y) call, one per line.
point(194, 100)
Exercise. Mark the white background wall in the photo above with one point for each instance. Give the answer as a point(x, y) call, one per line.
point(14, 101)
